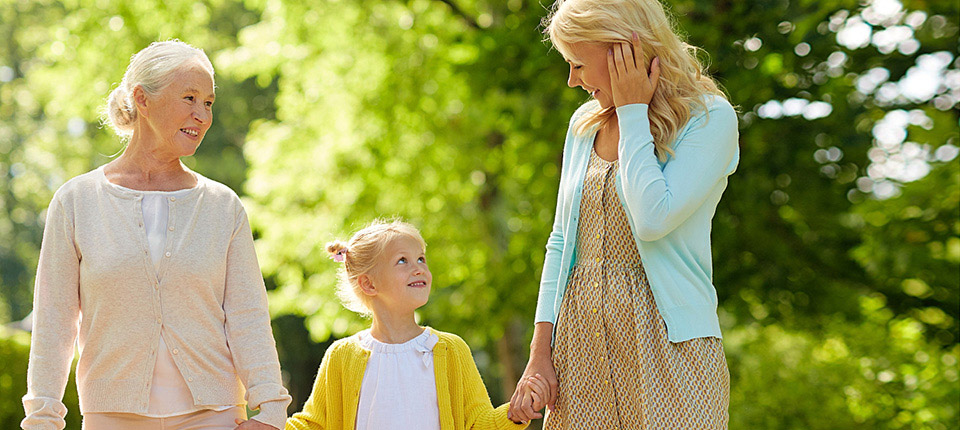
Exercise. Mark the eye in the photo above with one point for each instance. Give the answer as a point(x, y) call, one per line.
point(402, 260)
point(209, 104)
point(577, 67)
point(422, 260)
point(188, 98)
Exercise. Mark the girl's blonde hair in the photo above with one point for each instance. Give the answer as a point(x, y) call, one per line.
point(361, 255)
point(152, 69)
point(683, 79)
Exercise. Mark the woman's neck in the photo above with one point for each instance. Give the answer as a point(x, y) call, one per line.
point(142, 167)
point(394, 327)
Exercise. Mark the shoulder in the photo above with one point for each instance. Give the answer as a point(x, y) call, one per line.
point(80, 187)
point(715, 110)
point(217, 189)
point(219, 195)
point(343, 350)
point(452, 342)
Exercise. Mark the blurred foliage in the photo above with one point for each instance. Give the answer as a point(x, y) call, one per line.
point(839, 306)
point(881, 374)
point(14, 354)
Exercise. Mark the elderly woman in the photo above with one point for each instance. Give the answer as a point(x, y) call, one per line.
point(627, 321)
point(153, 266)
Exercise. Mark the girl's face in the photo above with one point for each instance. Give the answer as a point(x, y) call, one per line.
point(588, 70)
point(401, 278)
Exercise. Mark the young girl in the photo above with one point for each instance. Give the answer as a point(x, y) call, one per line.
point(398, 375)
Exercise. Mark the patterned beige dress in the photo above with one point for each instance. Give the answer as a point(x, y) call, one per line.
point(615, 367)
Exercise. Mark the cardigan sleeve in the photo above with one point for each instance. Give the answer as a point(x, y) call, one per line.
point(660, 200)
point(248, 328)
point(56, 314)
point(478, 412)
point(314, 413)
point(549, 277)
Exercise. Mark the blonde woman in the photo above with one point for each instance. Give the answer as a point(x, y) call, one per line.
point(626, 323)
point(151, 266)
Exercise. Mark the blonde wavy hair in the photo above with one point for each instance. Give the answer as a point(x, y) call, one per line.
point(361, 255)
point(683, 79)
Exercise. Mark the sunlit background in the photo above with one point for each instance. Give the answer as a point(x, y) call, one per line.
point(836, 245)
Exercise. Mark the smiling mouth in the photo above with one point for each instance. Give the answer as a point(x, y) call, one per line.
point(190, 132)
point(417, 284)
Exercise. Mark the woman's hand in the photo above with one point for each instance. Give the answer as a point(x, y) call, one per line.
point(521, 407)
point(629, 80)
point(252, 425)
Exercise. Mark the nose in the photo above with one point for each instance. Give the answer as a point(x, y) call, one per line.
point(573, 80)
point(420, 268)
point(202, 115)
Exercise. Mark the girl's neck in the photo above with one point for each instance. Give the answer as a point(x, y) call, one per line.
point(390, 327)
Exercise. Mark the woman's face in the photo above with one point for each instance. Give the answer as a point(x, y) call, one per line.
point(181, 113)
point(588, 70)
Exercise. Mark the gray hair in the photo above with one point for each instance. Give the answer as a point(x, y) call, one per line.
point(152, 69)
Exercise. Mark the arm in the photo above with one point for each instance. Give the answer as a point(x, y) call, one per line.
point(56, 313)
point(661, 200)
point(248, 329)
point(314, 413)
point(541, 362)
point(550, 275)
point(658, 201)
point(477, 409)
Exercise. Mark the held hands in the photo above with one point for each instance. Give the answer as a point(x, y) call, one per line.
point(252, 425)
point(533, 391)
point(630, 82)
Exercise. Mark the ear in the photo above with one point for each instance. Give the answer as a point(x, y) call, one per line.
point(366, 285)
point(140, 100)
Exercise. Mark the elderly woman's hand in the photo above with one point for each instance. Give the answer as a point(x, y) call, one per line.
point(252, 425)
point(630, 82)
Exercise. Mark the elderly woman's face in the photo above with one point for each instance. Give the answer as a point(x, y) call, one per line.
point(182, 112)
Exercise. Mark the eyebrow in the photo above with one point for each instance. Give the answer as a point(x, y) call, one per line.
point(194, 90)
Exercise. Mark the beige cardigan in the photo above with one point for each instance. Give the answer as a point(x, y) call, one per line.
point(95, 278)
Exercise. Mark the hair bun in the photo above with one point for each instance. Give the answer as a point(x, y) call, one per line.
point(336, 247)
point(120, 114)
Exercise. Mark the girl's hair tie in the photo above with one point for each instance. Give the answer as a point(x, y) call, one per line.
point(340, 256)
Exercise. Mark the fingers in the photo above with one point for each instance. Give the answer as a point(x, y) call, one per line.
point(637, 53)
point(540, 385)
point(628, 56)
point(612, 66)
point(655, 73)
point(528, 407)
point(618, 58)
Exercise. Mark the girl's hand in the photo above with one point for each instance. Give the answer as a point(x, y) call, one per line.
point(629, 80)
point(252, 425)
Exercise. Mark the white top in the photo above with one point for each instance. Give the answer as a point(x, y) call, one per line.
point(399, 389)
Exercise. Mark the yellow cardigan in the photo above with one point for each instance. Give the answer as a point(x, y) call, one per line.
point(464, 402)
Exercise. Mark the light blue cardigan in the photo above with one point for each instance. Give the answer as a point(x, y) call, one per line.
point(670, 207)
